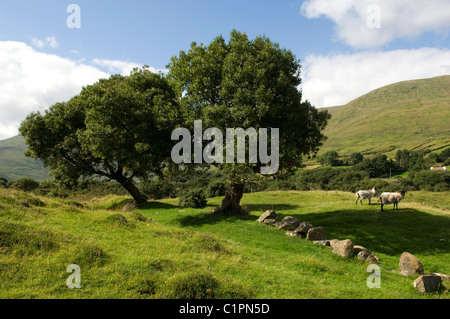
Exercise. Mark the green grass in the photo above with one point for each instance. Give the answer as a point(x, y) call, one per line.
point(411, 114)
point(161, 250)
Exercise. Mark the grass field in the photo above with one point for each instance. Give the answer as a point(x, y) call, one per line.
point(186, 253)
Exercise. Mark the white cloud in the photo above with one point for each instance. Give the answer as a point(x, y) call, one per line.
point(121, 67)
point(50, 41)
point(38, 43)
point(336, 79)
point(116, 66)
point(398, 19)
point(32, 81)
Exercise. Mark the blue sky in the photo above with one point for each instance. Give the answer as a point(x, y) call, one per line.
point(150, 32)
point(347, 47)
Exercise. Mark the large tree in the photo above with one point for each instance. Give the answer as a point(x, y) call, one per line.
point(118, 128)
point(247, 84)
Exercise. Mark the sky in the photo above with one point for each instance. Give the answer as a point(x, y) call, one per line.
point(50, 49)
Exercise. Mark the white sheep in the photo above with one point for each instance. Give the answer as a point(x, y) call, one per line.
point(365, 194)
point(391, 198)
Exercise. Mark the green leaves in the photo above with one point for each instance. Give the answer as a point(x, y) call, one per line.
point(248, 83)
point(118, 127)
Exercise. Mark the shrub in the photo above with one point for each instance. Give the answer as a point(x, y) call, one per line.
point(356, 158)
point(330, 158)
point(194, 198)
point(157, 189)
point(215, 188)
point(25, 184)
point(377, 166)
point(315, 179)
point(432, 180)
point(3, 182)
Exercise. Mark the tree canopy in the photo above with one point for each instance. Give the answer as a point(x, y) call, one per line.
point(118, 128)
point(121, 128)
point(248, 84)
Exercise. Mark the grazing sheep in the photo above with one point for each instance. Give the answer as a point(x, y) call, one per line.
point(391, 198)
point(365, 194)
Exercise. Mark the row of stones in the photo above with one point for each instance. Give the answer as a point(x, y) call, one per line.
point(409, 264)
point(318, 235)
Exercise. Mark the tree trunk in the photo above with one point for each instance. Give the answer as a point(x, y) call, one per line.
point(231, 203)
point(127, 183)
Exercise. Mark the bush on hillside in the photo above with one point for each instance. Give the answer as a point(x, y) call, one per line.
point(215, 188)
point(330, 158)
point(157, 189)
point(3, 182)
point(25, 184)
point(432, 180)
point(194, 198)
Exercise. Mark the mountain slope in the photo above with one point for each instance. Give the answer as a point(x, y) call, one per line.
point(14, 164)
point(412, 114)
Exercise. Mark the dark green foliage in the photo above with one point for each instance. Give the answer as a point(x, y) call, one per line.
point(445, 154)
point(413, 161)
point(330, 158)
point(353, 179)
point(377, 166)
point(194, 198)
point(25, 184)
point(247, 83)
point(118, 128)
point(215, 188)
point(51, 188)
point(158, 188)
point(3, 182)
point(440, 157)
point(356, 158)
point(432, 180)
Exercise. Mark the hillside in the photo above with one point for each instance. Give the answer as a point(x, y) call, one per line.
point(14, 164)
point(412, 114)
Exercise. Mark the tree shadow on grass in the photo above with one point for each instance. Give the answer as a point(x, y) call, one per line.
point(389, 232)
point(210, 219)
point(157, 205)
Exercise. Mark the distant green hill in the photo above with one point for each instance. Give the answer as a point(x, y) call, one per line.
point(14, 164)
point(412, 114)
